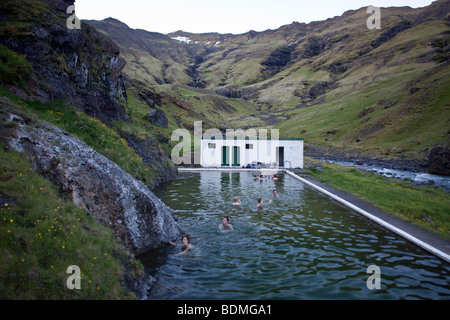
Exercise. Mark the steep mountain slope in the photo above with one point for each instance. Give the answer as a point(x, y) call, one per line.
point(378, 92)
point(152, 57)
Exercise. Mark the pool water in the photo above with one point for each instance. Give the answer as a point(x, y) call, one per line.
point(303, 245)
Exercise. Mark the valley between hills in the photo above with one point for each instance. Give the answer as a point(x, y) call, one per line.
point(87, 115)
point(342, 87)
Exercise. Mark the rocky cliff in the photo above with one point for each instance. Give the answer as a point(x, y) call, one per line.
point(79, 65)
point(84, 68)
point(113, 197)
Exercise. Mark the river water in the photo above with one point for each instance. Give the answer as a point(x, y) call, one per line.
point(303, 245)
point(417, 177)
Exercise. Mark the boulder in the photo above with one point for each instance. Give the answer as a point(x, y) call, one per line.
point(390, 104)
point(157, 117)
point(110, 195)
point(365, 112)
point(439, 161)
point(181, 104)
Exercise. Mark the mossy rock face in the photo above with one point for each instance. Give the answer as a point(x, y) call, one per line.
point(81, 66)
point(113, 197)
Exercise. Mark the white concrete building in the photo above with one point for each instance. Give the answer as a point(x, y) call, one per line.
point(239, 152)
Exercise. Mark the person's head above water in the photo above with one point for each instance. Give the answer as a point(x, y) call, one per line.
point(186, 239)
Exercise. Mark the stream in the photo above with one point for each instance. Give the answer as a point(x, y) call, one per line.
point(416, 177)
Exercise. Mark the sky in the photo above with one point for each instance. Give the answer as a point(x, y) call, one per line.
point(226, 16)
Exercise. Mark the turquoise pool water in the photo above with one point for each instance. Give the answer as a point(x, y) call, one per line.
point(303, 245)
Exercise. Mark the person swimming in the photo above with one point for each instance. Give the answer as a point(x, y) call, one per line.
point(237, 201)
point(186, 244)
point(225, 226)
point(261, 202)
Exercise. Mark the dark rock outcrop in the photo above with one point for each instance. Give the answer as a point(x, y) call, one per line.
point(277, 60)
point(153, 156)
point(81, 66)
point(365, 112)
point(439, 161)
point(157, 117)
point(113, 197)
point(316, 90)
point(391, 33)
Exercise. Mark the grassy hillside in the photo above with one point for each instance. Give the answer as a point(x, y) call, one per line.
point(426, 206)
point(310, 79)
point(42, 232)
point(334, 83)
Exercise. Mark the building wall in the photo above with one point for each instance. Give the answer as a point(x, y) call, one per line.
point(264, 151)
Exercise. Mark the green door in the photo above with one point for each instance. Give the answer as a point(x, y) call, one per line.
point(225, 156)
point(236, 157)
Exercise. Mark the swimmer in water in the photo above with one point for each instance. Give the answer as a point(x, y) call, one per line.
point(237, 201)
point(260, 203)
point(225, 226)
point(186, 244)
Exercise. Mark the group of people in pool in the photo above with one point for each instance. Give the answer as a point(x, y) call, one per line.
point(237, 200)
point(225, 226)
point(262, 177)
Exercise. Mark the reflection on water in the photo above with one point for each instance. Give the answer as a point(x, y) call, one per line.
point(301, 246)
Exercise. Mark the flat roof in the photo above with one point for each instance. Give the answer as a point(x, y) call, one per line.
point(248, 138)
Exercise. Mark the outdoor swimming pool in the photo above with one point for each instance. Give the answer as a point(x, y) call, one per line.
point(301, 246)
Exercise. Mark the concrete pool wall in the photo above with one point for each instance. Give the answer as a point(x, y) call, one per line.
point(425, 240)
